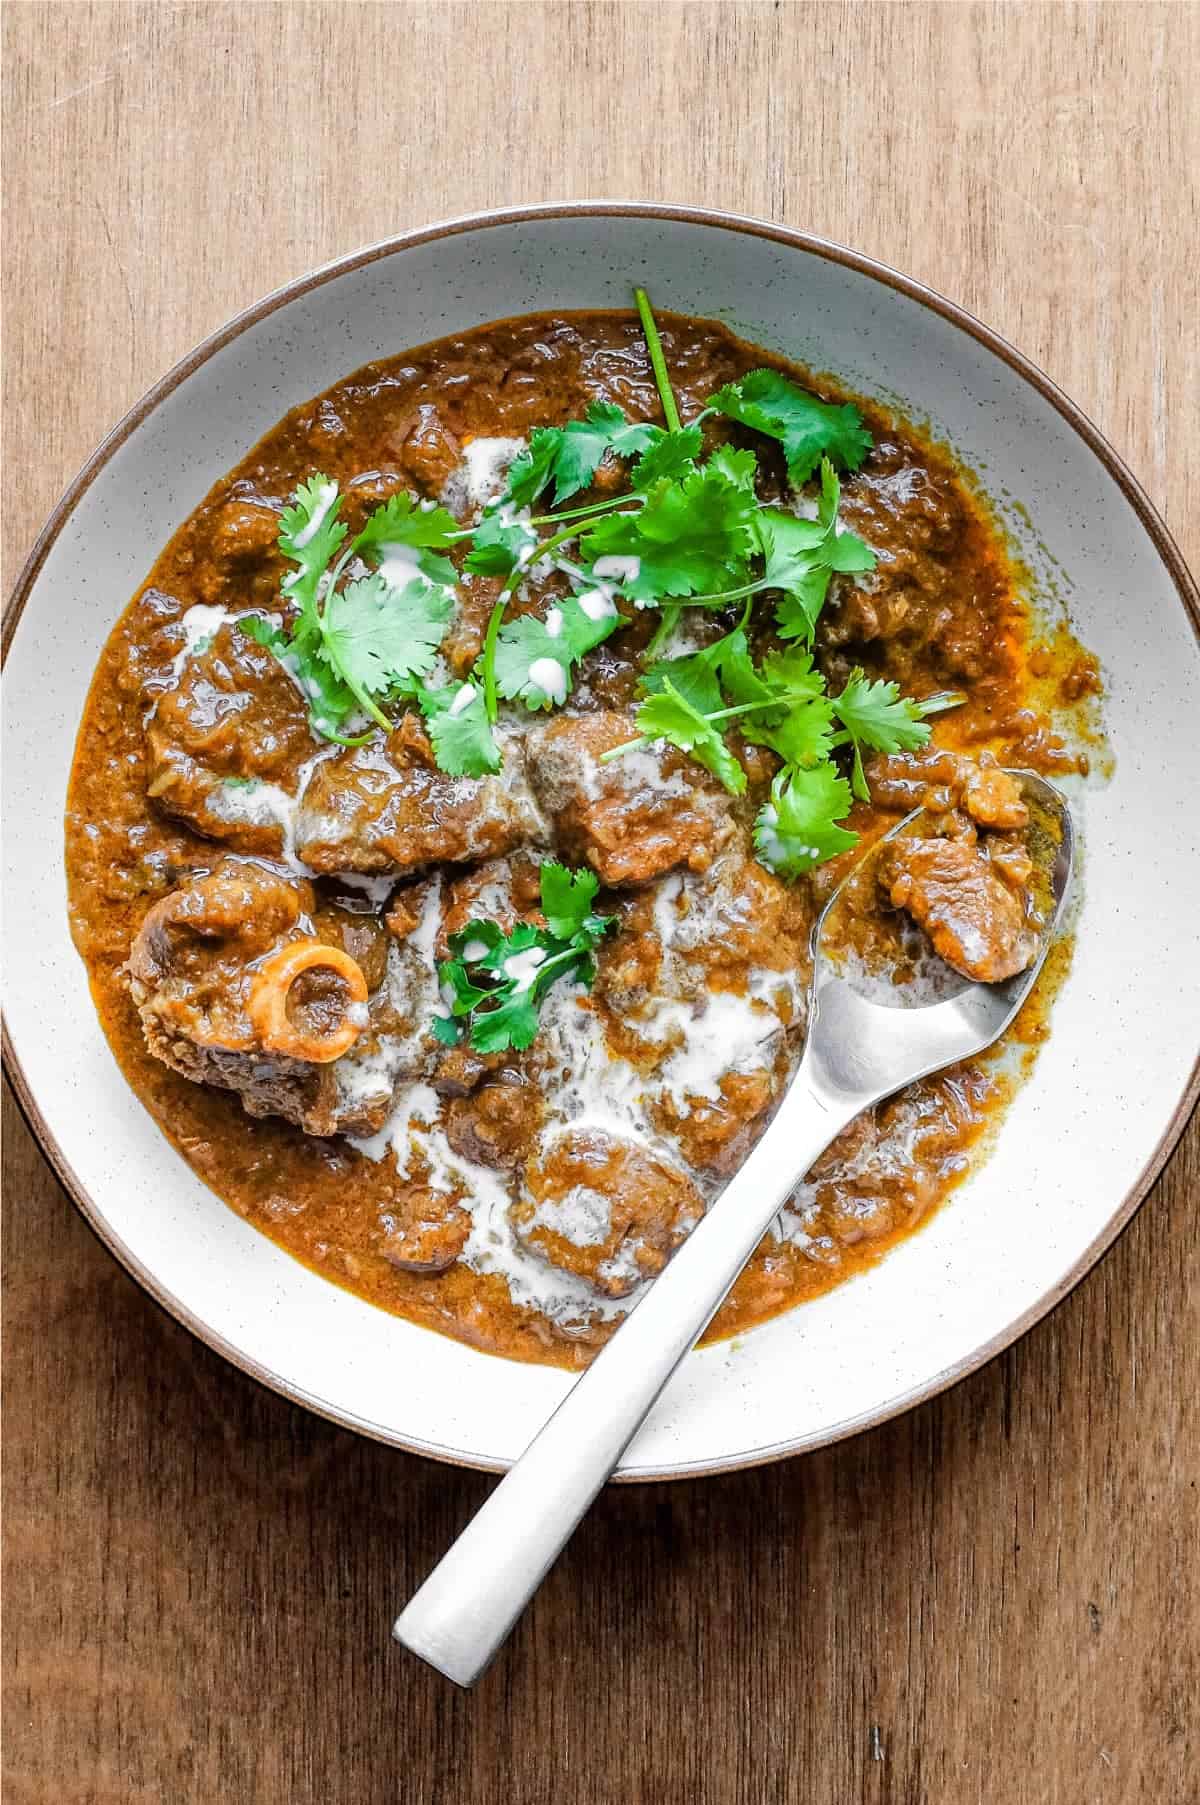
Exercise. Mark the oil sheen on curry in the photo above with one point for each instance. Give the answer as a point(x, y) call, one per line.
point(454, 803)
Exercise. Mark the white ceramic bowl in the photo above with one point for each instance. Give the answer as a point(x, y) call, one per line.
point(1113, 1087)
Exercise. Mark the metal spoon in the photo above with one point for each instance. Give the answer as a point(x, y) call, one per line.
point(858, 1051)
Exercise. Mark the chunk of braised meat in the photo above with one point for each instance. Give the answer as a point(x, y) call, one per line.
point(716, 1134)
point(232, 723)
point(241, 561)
point(884, 1171)
point(364, 937)
point(460, 1070)
point(424, 1230)
point(634, 818)
point(405, 910)
point(465, 635)
point(424, 449)
point(495, 1126)
point(735, 928)
point(976, 921)
point(738, 919)
point(386, 807)
point(196, 971)
point(191, 963)
point(994, 799)
point(604, 1209)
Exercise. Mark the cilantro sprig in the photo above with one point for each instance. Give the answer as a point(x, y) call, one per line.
point(536, 658)
point(808, 429)
point(569, 456)
point(687, 531)
point(353, 644)
point(494, 983)
point(781, 703)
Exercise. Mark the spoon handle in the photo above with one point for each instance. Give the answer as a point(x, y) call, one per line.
point(460, 1617)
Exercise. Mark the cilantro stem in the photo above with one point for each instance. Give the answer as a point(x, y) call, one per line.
point(495, 619)
point(546, 969)
point(606, 758)
point(369, 708)
point(489, 645)
point(719, 597)
point(340, 739)
point(670, 621)
point(658, 362)
point(592, 507)
point(786, 700)
point(360, 695)
point(666, 626)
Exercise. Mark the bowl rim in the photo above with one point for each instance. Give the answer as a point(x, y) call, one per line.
point(1156, 529)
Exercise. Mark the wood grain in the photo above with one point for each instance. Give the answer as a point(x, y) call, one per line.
point(992, 1602)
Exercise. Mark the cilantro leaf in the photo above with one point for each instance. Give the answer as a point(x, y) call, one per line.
point(402, 520)
point(376, 637)
point(531, 665)
point(459, 730)
point(531, 469)
point(798, 827)
point(743, 684)
point(309, 535)
point(781, 705)
point(849, 554)
point(791, 714)
point(535, 659)
point(791, 550)
point(261, 631)
point(693, 676)
point(875, 714)
point(668, 715)
point(802, 738)
point(501, 544)
point(698, 676)
point(793, 671)
point(807, 427)
point(672, 455)
point(512, 1023)
point(739, 468)
point(799, 607)
point(567, 898)
point(569, 456)
point(840, 549)
point(692, 535)
point(498, 946)
point(348, 646)
point(585, 442)
point(446, 1029)
point(498, 1006)
point(492, 936)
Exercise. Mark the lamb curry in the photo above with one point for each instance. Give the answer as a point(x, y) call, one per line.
point(454, 803)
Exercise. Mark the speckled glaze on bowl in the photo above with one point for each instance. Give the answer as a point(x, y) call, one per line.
point(1113, 1087)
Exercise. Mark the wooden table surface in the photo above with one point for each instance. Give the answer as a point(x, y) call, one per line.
point(993, 1600)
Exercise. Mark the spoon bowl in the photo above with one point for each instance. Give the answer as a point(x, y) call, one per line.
point(859, 1050)
point(862, 1046)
